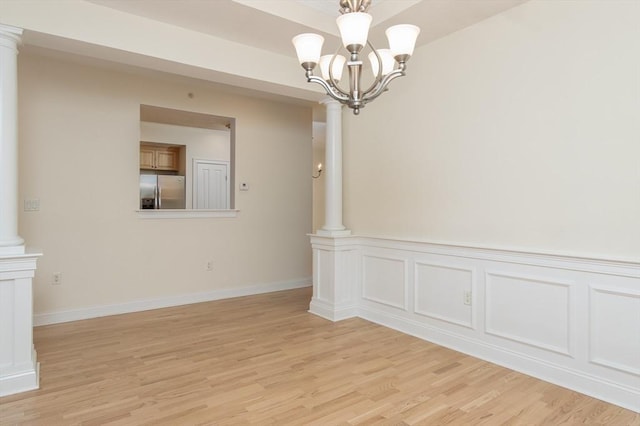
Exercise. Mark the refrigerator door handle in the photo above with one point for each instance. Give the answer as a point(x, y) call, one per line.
point(155, 196)
point(159, 197)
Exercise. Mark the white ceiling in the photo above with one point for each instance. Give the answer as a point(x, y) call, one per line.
point(270, 24)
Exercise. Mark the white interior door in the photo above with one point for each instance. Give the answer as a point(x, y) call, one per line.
point(210, 184)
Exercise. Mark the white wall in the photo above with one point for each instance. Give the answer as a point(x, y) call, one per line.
point(79, 143)
point(522, 131)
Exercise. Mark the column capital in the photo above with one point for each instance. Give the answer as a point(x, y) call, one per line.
point(10, 36)
point(330, 102)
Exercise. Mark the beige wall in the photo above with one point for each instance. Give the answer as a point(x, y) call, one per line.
point(79, 136)
point(522, 131)
point(319, 137)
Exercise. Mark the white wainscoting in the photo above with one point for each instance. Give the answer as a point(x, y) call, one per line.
point(571, 321)
point(385, 280)
point(530, 310)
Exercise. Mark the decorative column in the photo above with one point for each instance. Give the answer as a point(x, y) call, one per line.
point(335, 266)
point(10, 242)
point(333, 226)
point(18, 365)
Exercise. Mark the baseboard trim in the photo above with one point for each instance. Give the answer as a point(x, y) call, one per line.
point(165, 302)
point(20, 382)
point(593, 386)
point(330, 312)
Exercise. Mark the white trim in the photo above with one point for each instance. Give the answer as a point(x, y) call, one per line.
point(185, 214)
point(572, 261)
point(165, 302)
point(333, 313)
point(405, 281)
point(472, 284)
point(489, 326)
point(22, 381)
point(593, 318)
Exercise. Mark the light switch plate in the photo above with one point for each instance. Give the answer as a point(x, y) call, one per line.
point(32, 205)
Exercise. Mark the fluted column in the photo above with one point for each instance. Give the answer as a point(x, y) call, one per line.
point(333, 172)
point(10, 241)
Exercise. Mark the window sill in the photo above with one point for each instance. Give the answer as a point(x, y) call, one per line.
point(185, 214)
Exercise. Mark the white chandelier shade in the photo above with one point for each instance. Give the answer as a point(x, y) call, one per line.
point(354, 29)
point(354, 25)
point(402, 39)
point(388, 62)
point(336, 69)
point(308, 47)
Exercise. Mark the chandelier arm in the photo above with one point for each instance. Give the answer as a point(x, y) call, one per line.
point(385, 82)
point(378, 78)
point(329, 89)
point(332, 81)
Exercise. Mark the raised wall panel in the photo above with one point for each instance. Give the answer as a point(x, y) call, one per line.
point(324, 276)
point(529, 310)
point(440, 291)
point(615, 328)
point(385, 281)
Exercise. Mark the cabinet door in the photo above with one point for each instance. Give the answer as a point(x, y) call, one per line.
point(167, 159)
point(147, 157)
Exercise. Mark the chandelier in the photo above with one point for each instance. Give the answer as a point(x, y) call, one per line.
point(386, 64)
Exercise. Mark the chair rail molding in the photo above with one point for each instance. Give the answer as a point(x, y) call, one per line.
point(569, 320)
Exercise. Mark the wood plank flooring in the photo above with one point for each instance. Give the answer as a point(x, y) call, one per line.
point(263, 360)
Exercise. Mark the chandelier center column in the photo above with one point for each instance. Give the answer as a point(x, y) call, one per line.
point(333, 172)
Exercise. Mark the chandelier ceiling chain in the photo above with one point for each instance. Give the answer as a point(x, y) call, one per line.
point(386, 64)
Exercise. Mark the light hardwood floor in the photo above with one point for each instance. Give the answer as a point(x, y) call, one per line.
point(264, 360)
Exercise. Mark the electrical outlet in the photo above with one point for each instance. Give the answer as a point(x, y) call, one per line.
point(467, 298)
point(210, 265)
point(57, 278)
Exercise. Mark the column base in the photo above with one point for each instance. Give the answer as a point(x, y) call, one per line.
point(21, 381)
point(335, 270)
point(331, 311)
point(333, 233)
point(19, 370)
point(13, 249)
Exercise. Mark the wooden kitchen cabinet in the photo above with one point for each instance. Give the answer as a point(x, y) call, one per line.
point(159, 157)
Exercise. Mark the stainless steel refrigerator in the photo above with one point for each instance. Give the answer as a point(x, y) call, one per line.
point(162, 192)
